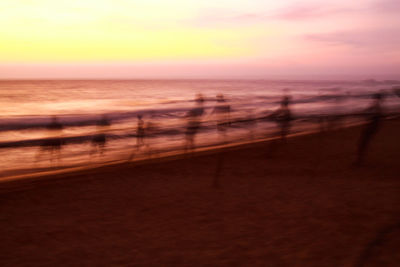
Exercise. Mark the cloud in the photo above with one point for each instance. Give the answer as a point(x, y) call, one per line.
point(384, 38)
point(304, 12)
point(294, 13)
point(386, 6)
point(224, 17)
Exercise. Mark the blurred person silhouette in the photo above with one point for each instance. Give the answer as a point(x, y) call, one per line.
point(251, 123)
point(150, 130)
point(283, 117)
point(140, 132)
point(99, 140)
point(222, 111)
point(193, 123)
point(53, 143)
point(373, 115)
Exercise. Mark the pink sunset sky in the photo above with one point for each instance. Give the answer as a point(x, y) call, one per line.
point(105, 39)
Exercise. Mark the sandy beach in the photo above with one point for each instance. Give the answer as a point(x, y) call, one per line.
point(301, 203)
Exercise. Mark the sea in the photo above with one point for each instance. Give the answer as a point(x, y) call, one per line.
point(27, 107)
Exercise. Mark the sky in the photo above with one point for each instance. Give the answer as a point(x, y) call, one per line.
point(105, 39)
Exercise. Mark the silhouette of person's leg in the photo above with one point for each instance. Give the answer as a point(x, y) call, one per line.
point(284, 131)
point(132, 155)
point(189, 142)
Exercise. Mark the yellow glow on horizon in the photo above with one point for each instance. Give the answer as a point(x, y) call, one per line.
point(172, 44)
point(134, 30)
point(110, 30)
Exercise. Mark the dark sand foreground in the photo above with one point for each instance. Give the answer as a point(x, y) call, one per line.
point(305, 206)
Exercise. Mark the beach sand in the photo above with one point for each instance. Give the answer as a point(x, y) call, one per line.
point(299, 204)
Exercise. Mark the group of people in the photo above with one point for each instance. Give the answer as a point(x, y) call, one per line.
point(221, 111)
point(282, 116)
point(54, 141)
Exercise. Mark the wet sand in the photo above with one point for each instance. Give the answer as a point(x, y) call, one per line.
point(299, 204)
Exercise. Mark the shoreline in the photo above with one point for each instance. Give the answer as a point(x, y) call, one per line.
point(163, 156)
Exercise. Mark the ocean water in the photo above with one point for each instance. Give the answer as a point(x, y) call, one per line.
point(26, 108)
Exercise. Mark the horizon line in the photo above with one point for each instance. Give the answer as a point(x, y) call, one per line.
point(371, 78)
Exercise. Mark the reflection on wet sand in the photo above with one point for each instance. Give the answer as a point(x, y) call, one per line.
point(53, 143)
point(211, 122)
point(193, 118)
point(99, 140)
